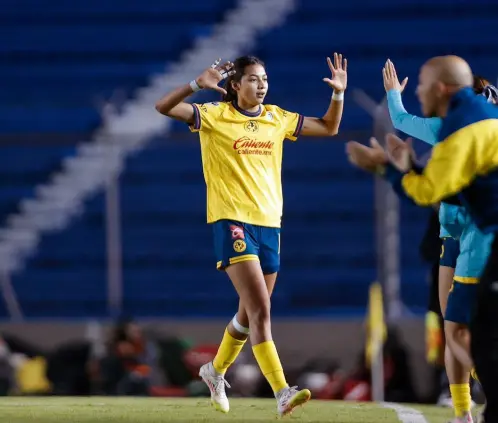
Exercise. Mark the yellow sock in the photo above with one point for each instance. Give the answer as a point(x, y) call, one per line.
point(228, 351)
point(460, 394)
point(269, 363)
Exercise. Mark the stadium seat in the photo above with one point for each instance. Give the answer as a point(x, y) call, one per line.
point(61, 62)
point(85, 51)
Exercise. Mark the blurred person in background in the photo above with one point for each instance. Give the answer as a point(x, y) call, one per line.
point(27, 365)
point(126, 370)
point(242, 145)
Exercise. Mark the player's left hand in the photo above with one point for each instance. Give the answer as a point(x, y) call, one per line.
point(366, 158)
point(339, 70)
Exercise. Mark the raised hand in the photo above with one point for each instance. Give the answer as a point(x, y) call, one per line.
point(391, 81)
point(339, 70)
point(213, 75)
point(366, 158)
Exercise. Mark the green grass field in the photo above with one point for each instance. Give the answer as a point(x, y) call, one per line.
point(151, 410)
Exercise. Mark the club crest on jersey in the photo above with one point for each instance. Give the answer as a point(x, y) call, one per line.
point(237, 232)
point(239, 246)
point(269, 116)
point(251, 126)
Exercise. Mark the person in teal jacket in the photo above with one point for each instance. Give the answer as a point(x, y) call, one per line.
point(465, 248)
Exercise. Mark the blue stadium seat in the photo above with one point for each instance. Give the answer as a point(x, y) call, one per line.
point(328, 247)
point(169, 262)
point(328, 235)
point(22, 167)
point(60, 62)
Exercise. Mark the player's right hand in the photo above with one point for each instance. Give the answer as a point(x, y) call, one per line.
point(391, 81)
point(401, 153)
point(213, 75)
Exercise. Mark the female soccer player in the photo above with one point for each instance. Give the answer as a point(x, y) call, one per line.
point(464, 252)
point(241, 147)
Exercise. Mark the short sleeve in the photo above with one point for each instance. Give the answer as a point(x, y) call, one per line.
point(204, 116)
point(292, 122)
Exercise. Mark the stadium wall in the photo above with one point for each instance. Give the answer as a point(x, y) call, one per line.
point(298, 340)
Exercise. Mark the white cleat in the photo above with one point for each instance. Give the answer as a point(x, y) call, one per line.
point(290, 398)
point(465, 419)
point(216, 384)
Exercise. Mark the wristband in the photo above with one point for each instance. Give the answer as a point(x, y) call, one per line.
point(194, 85)
point(338, 96)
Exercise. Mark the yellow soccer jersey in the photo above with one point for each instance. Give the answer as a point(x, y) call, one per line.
point(242, 160)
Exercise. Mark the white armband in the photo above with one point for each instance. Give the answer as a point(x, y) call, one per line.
point(338, 97)
point(195, 86)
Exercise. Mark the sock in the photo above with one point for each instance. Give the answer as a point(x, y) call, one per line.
point(269, 363)
point(460, 394)
point(228, 351)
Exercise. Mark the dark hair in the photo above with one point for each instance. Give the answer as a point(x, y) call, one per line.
point(480, 84)
point(121, 329)
point(239, 66)
point(483, 87)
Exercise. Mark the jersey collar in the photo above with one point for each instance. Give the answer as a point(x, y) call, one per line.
point(460, 96)
point(245, 113)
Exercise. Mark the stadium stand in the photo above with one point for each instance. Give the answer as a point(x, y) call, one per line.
point(62, 59)
point(89, 49)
